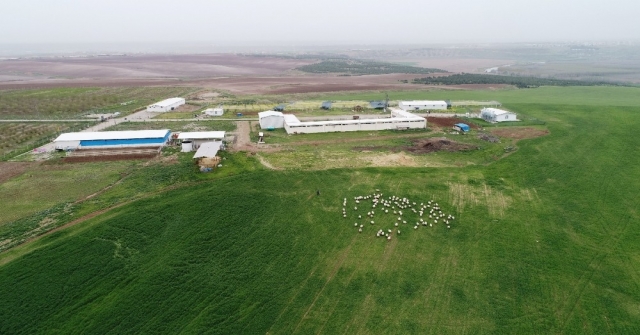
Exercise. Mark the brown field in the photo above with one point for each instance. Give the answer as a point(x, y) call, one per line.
point(447, 122)
point(9, 170)
point(234, 73)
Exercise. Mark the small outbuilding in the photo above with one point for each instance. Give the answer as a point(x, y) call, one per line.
point(326, 105)
point(213, 111)
point(166, 105)
point(271, 120)
point(463, 127)
point(497, 115)
point(378, 104)
point(207, 155)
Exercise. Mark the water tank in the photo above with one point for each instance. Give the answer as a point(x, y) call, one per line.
point(187, 146)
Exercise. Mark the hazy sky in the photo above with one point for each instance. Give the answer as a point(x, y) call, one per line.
point(317, 22)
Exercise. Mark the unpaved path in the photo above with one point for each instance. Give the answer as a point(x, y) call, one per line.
point(243, 140)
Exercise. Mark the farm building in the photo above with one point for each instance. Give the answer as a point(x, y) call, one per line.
point(399, 120)
point(461, 127)
point(208, 150)
point(326, 105)
point(213, 111)
point(271, 120)
point(423, 105)
point(200, 137)
point(166, 105)
point(378, 104)
point(112, 139)
point(497, 115)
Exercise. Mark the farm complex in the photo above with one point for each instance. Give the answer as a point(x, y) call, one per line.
point(365, 204)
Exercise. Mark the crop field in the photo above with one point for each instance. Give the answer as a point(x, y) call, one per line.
point(16, 138)
point(545, 240)
point(61, 103)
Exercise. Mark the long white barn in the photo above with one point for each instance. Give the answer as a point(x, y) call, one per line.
point(166, 105)
point(399, 120)
point(422, 105)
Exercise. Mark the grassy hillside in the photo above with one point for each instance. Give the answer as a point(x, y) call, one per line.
point(544, 241)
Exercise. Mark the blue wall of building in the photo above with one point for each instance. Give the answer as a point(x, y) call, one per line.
point(133, 141)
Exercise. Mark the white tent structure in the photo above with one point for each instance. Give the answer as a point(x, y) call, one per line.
point(271, 120)
point(422, 105)
point(497, 115)
point(166, 105)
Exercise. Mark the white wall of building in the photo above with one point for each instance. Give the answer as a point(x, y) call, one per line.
point(214, 111)
point(422, 105)
point(271, 119)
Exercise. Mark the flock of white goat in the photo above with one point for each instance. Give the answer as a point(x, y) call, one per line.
point(429, 213)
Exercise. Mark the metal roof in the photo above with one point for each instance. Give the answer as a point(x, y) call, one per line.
point(497, 111)
point(423, 102)
point(112, 135)
point(199, 135)
point(269, 113)
point(208, 149)
point(291, 119)
point(168, 102)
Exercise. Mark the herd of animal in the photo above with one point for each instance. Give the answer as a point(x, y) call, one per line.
point(428, 213)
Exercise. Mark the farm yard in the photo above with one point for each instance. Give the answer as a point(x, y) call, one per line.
point(542, 239)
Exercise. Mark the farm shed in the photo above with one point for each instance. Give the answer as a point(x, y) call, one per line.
point(112, 139)
point(208, 150)
point(399, 120)
point(378, 104)
point(461, 127)
point(200, 137)
point(497, 115)
point(326, 105)
point(423, 105)
point(271, 120)
point(166, 105)
point(213, 111)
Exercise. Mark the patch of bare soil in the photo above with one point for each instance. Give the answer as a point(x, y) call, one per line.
point(425, 146)
point(446, 122)
point(9, 170)
point(519, 133)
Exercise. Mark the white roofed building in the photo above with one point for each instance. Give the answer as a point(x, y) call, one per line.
point(166, 105)
point(399, 120)
point(416, 105)
point(497, 115)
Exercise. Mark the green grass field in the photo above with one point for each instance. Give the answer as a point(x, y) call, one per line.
point(545, 241)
